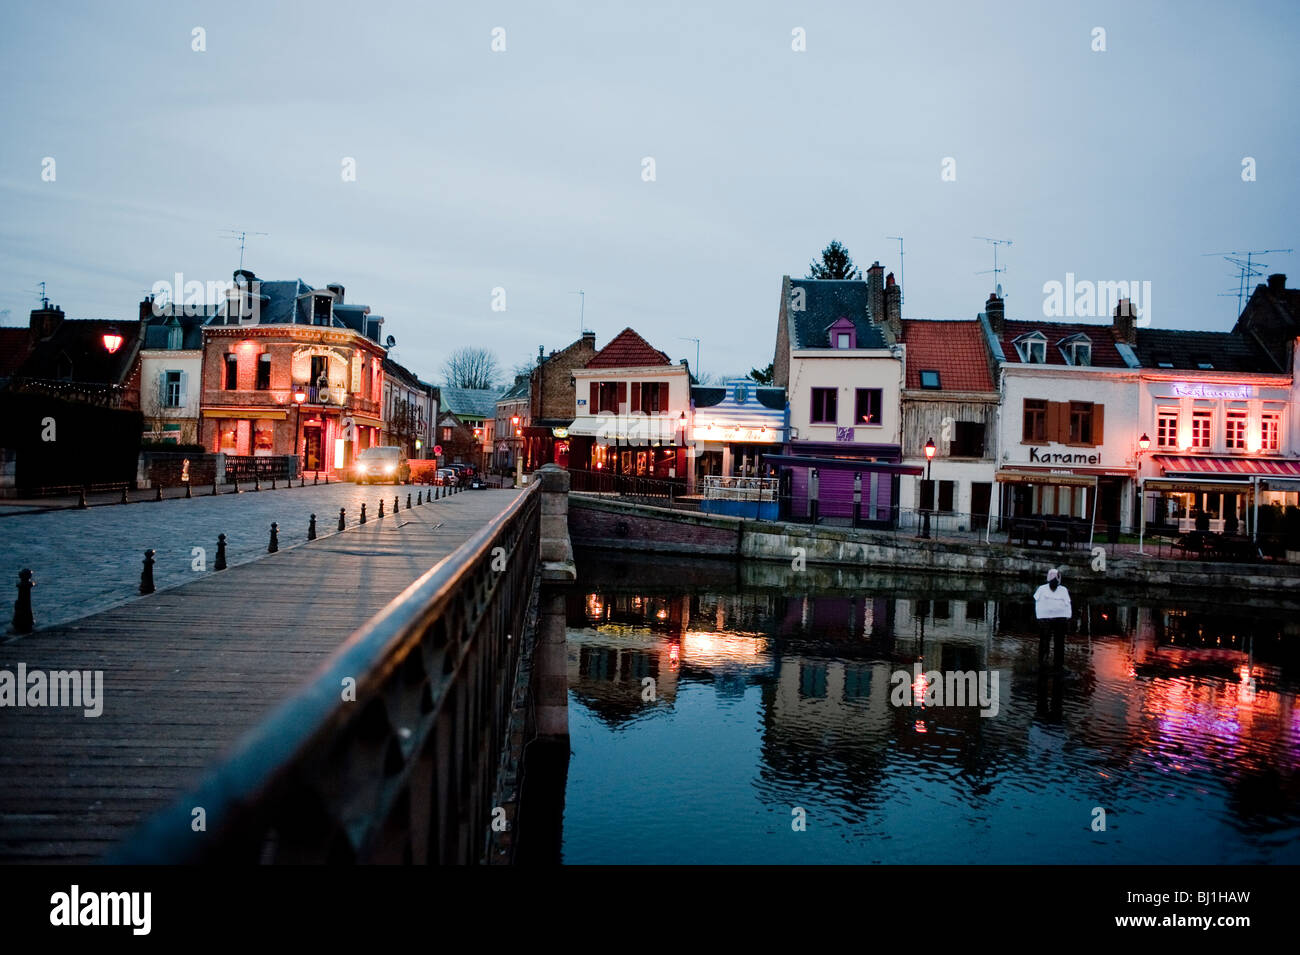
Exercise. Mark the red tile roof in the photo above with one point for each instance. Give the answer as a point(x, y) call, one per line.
point(956, 350)
point(627, 349)
point(14, 345)
point(1104, 354)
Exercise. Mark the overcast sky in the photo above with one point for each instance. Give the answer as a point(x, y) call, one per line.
point(523, 169)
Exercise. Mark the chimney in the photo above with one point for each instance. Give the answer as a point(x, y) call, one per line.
point(45, 320)
point(541, 354)
point(338, 292)
point(1277, 282)
point(894, 306)
point(876, 292)
point(1125, 322)
point(146, 310)
point(996, 310)
point(589, 338)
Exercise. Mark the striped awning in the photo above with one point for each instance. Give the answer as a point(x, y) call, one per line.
point(1184, 464)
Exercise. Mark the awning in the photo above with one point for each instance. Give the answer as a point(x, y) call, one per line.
point(1183, 486)
point(842, 464)
point(1009, 476)
point(245, 413)
point(1245, 468)
point(632, 429)
point(365, 421)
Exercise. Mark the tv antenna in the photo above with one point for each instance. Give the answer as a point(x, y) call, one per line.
point(45, 299)
point(902, 286)
point(1246, 269)
point(242, 237)
point(995, 270)
point(697, 354)
point(582, 311)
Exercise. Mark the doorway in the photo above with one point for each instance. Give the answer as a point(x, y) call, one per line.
point(981, 498)
point(312, 442)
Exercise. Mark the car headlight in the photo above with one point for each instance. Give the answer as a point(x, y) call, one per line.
point(390, 468)
point(361, 468)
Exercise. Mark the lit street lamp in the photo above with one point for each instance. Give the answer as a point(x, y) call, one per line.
point(112, 339)
point(929, 464)
point(299, 396)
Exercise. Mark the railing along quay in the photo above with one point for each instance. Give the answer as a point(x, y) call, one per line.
point(391, 753)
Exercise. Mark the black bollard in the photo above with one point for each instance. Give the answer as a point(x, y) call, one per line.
point(274, 546)
point(215, 492)
point(257, 481)
point(81, 501)
point(363, 513)
point(23, 622)
point(146, 575)
point(125, 499)
point(272, 482)
point(315, 479)
point(397, 505)
point(327, 477)
point(408, 500)
point(221, 553)
point(419, 497)
point(157, 493)
point(187, 491)
point(381, 507)
point(342, 517)
point(311, 529)
point(302, 479)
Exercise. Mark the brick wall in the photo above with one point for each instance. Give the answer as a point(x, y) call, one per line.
point(552, 396)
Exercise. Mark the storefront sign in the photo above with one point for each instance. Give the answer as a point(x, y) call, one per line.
point(1187, 389)
point(559, 432)
point(1037, 456)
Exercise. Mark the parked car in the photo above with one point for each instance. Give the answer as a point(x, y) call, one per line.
point(383, 464)
point(445, 477)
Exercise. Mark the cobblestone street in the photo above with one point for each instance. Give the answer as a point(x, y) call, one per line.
point(85, 561)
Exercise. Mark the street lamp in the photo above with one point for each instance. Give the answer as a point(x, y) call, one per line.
point(112, 339)
point(929, 464)
point(299, 396)
point(1144, 443)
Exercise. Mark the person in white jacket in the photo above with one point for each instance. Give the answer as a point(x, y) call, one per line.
point(1053, 610)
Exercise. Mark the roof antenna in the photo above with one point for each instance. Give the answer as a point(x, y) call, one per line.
point(995, 270)
point(241, 236)
point(902, 283)
point(1246, 270)
point(45, 301)
point(582, 311)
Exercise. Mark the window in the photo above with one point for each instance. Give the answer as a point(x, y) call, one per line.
point(868, 406)
point(930, 379)
point(320, 310)
point(1202, 422)
point(232, 371)
point(175, 335)
point(172, 396)
point(1077, 349)
point(824, 409)
point(446, 434)
point(263, 433)
point(263, 372)
point(606, 397)
point(319, 371)
point(1167, 428)
point(974, 610)
point(967, 440)
point(650, 397)
point(1032, 348)
point(1203, 362)
point(1164, 361)
point(1270, 428)
point(1035, 421)
point(229, 433)
point(1235, 427)
point(926, 500)
point(812, 681)
point(1080, 422)
point(947, 492)
point(842, 340)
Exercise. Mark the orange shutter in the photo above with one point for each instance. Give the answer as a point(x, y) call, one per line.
point(663, 397)
point(1058, 421)
point(636, 397)
point(1098, 423)
point(594, 404)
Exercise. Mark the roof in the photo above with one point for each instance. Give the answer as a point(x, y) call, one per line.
point(281, 305)
point(13, 349)
point(825, 301)
point(191, 318)
point(471, 402)
point(522, 388)
point(1222, 351)
point(397, 370)
point(1105, 354)
point(627, 349)
point(75, 352)
point(956, 350)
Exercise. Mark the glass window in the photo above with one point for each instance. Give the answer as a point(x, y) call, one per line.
point(967, 440)
point(1235, 428)
point(174, 337)
point(1081, 422)
point(1270, 430)
point(1035, 420)
point(1202, 423)
point(842, 340)
point(947, 492)
point(1167, 428)
point(172, 390)
point(824, 408)
point(263, 372)
point(930, 379)
point(232, 372)
point(868, 406)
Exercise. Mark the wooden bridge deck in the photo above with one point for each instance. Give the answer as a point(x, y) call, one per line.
point(187, 671)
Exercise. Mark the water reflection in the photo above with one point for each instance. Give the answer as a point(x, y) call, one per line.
point(707, 704)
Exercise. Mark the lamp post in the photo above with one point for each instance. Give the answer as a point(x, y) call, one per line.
point(112, 340)
point(929, 465)
point(299, 396)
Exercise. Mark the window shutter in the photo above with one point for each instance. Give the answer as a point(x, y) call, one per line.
point(185, 388)
point(593, 403)
point(622, 396)
point(663, 397)
point(1058, 422)
point(1098, 420)
point(636, 396)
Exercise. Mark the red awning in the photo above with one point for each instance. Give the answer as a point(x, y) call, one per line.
point(1245, 467)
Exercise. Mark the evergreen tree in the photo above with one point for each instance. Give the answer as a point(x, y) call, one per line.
point(835, 264)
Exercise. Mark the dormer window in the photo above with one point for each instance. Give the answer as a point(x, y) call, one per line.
point(175, 335)
point(1032, 348)
point(1203, 362)
point(1164, 361)
point(321, 309)
point(1077, 349)
point(843, 334)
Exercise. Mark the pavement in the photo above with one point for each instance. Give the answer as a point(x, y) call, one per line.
point(87, 560)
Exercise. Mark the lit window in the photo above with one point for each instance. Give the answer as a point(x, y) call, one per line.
point(1202, 423)
point(1270, 424)
point(868, 406)
point(1167, 428)
point(1235, 427)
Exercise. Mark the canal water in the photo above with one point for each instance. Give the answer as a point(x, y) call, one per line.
point(725, 712)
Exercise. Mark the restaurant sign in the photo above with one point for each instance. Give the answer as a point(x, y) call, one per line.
point(1187, 389)
point(1037, 456)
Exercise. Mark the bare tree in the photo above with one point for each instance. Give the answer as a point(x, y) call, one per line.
point(471, 368)
point(158, 414)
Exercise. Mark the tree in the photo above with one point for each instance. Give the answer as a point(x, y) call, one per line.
point(763, 375)
point(158, 414)
point(524, 368)
point(835, 264)
point(471, 368)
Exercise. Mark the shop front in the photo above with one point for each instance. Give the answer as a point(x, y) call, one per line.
point(862, 490)
point(1216, 494)
point(1095, 496)
point(627, 445)
point(734, 426)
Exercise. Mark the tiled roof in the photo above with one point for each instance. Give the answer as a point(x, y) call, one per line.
point(956, 350)
point(522, 388)
point(1104, 352)
point(471, 402)
point(627, 349)
point(13, 349)
point(825, 301)
point(76, 351)
point(1223, 351)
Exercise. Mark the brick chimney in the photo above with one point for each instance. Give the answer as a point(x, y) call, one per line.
point(1277, 282)
point(876, 292)
point(589, 338)
point(146, 309)
point(996, 310)
point(45, 320)
point(1125, 322)
point(894, 306)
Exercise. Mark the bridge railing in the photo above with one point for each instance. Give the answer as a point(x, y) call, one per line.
point(391, 752)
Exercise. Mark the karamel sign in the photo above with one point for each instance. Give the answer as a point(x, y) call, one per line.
point(1037, 456)
point(1188, 389)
